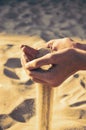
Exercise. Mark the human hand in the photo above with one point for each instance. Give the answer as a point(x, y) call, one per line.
point(63, 62)
point(58, 44)
point(28, 54)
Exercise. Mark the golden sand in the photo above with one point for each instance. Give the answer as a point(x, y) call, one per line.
point(18, 92)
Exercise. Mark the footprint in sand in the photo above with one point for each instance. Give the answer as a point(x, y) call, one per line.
point(22, 113)
point(6, 121)
point(13, 63)
point(10, 74)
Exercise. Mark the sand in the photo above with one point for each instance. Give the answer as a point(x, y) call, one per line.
point(18, 92)
point(47, 18)
point(32, 24)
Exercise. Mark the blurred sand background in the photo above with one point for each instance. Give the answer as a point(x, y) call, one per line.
point(48, 18)
point(32, 22)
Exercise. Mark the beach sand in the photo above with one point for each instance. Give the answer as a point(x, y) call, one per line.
point(48, 19)
point(18, 92)
point(31, 24)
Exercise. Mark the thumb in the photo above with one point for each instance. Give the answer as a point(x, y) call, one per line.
point(39, 62)
point(29, 51)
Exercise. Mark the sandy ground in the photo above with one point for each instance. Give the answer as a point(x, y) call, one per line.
point(47, 19)
point(17, 92)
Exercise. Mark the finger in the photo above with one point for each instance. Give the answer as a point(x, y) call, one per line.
point(44, 76)
point(27, 58)
point(29, 51)
point(45, 60)
point(37, 74)
point(23, 60)
point(54, 47)
point(50, 43)
point(53, 44)
point(49, 59)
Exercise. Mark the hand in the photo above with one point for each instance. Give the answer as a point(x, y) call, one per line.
point(58, 44)
point(64, 62)
point(28, 54)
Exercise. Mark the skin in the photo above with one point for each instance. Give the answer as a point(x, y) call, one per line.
point(67, 57)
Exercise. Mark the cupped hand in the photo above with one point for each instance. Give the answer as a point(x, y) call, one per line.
point(64, 64)
point(28, 54)
point(58, 44)
point(63, 59)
